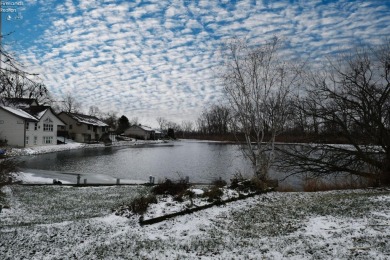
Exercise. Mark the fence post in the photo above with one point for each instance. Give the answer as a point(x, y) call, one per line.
point(118, 181)
point(151, 180)
point(78, 179)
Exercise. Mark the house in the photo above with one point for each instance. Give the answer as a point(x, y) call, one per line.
point(142, 132)
point(24, 123)
point(83, 128)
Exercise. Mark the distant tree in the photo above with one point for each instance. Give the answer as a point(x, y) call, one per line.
point(111, 119)
point(70, 104)
point(95, 111)
point(258, 82)
point(134, 121)
point(174, 126)
point(162, 122)
point(214, 120)
point(187, 127)
point(123, 124)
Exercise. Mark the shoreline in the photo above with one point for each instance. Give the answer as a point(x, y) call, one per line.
point(13, 152)
point(36, 176)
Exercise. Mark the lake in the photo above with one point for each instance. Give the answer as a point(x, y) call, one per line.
point(201, 161)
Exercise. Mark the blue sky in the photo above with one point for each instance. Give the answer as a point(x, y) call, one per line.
point(160, 58)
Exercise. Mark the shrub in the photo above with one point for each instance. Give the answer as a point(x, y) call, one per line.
point(140, 204)
point(187, 194)
point(236, 180)
point(7, 166)
point(247, 185)
point(213, 194)
point(219, 183)
point(169, 187)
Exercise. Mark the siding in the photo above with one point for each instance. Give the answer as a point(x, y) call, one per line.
point(79, 132)
point(31, 133)
point(12, 129)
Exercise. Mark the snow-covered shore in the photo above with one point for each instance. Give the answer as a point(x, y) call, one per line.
point(77, 223)
point(71, 145)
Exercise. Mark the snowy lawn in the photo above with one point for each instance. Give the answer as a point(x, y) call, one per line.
point(59, 222)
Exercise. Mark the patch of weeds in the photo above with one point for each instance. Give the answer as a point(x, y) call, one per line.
point(169, 187)
point(140, 204)
point(247, 185)
point(213, 194)
point(187, 194)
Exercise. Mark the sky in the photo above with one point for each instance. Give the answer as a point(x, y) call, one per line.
point(150, 59)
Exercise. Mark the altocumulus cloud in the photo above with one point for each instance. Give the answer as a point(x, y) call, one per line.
point(160, 58)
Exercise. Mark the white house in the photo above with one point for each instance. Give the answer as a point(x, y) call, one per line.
point(28, 126)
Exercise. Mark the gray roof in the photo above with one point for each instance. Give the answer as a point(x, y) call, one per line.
point(85, 119)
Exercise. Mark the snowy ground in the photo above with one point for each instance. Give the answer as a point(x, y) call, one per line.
point(58, 222)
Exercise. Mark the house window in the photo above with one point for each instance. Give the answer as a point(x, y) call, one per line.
point(35, 139)
point(27, 126)
point(35, 126)
point(89, 127)
point(48, 125)
point(27, 139)
point(47, 139)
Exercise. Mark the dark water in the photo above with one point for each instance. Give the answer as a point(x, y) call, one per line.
point(201, 161)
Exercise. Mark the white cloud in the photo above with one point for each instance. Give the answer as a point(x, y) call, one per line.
point(159, 58)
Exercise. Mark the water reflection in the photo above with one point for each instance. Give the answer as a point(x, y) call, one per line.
point(201, 161)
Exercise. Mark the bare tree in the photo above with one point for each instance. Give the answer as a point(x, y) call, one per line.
point(134, 121)
point(111, 119)
point(214, 120)
point(161, 122)
point(172, 125)
point(16, 82)
point(70, 104)
point(95, 111)
point(258, 83)
point(350, 99)
point(187, 126)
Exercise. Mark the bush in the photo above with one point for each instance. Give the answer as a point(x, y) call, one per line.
point(7, 166)
point(140, 204)
point(213, 194)
point(247, 185)
point(219, 183)
point(169, 187)
point(236, 180)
